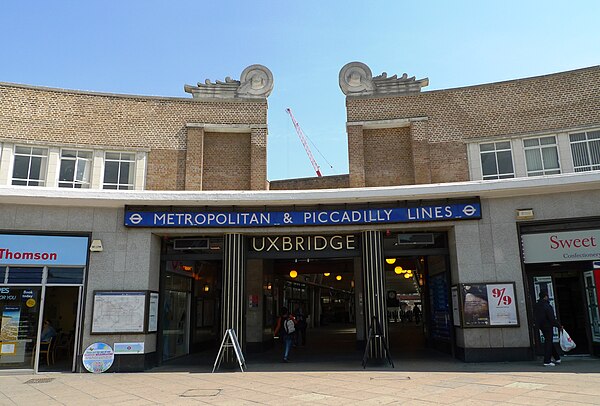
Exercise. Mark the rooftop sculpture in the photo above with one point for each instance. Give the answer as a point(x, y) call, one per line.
point(256, 81)
point(356, 79)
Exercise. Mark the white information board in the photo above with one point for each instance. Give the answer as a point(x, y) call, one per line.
point(119, 312)
point(153, 312)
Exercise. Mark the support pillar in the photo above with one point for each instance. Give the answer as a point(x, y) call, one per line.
point(374, 286)
point(234, 283)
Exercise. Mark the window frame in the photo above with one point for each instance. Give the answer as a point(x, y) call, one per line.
point(73, 183)
point(43, 172)
point(544, 171)
point(497, 175)
point(131, 174)
point(590, 166)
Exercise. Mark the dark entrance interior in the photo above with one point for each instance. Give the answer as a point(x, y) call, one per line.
point(323, 292)
point(572, 310)
point(564, 283)
point(418, 315)
point(58, 333)
point(190, 319)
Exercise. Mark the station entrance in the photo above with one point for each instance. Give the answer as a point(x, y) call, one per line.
point(324, 285)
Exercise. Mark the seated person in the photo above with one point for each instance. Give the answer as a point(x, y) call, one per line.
point(48, 331)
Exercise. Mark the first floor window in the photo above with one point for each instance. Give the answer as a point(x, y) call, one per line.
point(541, 156)
point(30, 166)
point(496, 160)
point(585, 149)
point(119, 170)
point(75, 168)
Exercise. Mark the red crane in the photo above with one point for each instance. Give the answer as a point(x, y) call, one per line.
point(304, 143)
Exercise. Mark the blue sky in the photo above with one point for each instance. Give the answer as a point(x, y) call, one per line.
point(153, 47)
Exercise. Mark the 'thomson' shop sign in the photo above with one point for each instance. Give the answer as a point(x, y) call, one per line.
point(566, 246)
point(457, 211)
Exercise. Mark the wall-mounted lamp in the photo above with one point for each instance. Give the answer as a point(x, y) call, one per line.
point(524, 214)
point(206, 288)
point(96, 246)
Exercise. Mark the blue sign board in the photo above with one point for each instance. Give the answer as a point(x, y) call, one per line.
point(16, 249)
point(458, 211)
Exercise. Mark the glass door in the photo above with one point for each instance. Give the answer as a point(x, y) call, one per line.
point(592, 304)
point(176, 326)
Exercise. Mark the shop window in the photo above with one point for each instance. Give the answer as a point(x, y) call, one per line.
point(496, 160)
point(119, 170)
point(541, 155)
point(585, 149)
point(75, 168)
point(25, 276)
point(72, 276)
point(30, 166)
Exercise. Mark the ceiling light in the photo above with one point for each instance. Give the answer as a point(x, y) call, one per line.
point(390, 261)
point(407, 276)
point(327, 274)
point(398, 270)
point(339, 277)
point(293, 273)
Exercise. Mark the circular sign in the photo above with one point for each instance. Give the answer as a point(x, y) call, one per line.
point(30, 302)
point(98, 357)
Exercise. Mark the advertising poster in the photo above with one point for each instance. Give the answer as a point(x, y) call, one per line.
point(98, 358)
point(476, 310)
point(9, 329)
point(489, 304)
point(503, 310)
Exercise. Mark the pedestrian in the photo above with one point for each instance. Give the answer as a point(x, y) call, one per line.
point(546, 321)
point(417, 313)
point(300, 327)
point(286, 324)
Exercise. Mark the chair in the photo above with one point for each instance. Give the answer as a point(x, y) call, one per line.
point(64, 344)
point(47, 347)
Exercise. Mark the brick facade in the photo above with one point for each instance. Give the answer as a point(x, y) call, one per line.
point(324, 182)
point(449, 118)
point(157, 125)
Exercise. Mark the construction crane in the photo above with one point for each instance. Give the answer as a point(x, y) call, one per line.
point(304, 143)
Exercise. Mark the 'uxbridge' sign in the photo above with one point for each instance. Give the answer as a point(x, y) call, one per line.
point(458, 211)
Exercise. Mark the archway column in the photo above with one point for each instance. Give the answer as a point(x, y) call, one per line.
point(374, 288)
point(233, 287)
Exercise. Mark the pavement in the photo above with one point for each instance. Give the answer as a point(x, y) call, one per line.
point(412, 382)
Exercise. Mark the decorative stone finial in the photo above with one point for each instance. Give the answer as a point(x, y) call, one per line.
point(356, 79)
point(255, 82)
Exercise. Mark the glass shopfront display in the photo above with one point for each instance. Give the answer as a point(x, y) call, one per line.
point(34, 324)
point(19, 309)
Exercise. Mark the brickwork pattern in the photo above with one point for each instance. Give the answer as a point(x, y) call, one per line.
point(166, 170)
point(519, 107)
point(194, 159)
point(388, 157)
point(258, 153)
point(356, 158)
point(68, 117)
point(226, 161)
point(324, 182)
point(420, 152)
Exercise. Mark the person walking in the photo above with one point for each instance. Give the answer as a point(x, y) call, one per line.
point(287, 326)
point(546, 321)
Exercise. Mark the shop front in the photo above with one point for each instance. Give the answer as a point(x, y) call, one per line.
point(41, 290)
point(563, 259)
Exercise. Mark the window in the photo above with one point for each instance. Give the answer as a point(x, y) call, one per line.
point(30, 166)
point(496, 160)
point(585, 149)
point(119, 170)
point(541, 155)
point(75, 167)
